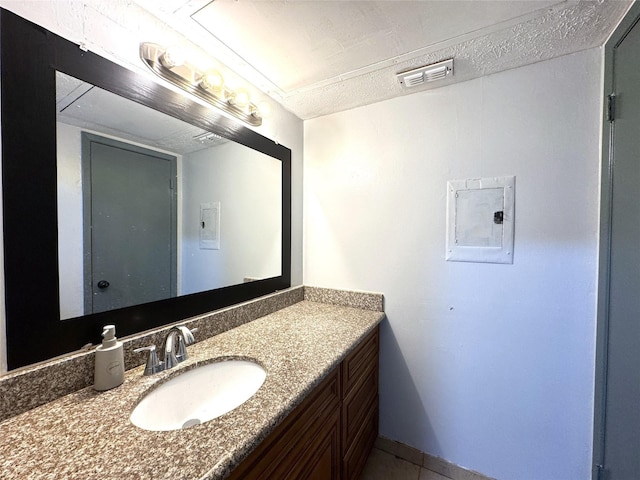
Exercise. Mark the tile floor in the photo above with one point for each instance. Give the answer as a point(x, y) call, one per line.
point(385, 466)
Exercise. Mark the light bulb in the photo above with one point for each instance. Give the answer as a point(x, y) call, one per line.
point(261, 110)
point(172, 57)
point(212, 80)
point(239, 98)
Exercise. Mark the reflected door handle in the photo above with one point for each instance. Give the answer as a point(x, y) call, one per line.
point(102, 284)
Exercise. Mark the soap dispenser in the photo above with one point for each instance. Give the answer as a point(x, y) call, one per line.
point(109, 371)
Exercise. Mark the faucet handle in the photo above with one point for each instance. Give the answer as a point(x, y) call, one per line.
point(154, 365)
point(185, 339)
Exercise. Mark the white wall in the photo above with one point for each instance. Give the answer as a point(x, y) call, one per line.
point(114, 29)
point(250, 219)
point(489, 366)
point(70, 231)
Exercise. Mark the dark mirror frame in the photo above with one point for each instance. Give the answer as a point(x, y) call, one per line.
point(30, 56)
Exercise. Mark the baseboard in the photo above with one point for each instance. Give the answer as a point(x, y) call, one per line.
point(428, 461)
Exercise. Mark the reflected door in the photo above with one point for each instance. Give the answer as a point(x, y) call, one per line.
point(130, 224)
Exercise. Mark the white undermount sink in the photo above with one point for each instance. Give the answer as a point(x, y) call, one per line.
point(199, 395)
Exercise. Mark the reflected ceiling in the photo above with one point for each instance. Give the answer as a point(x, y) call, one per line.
point(88, 107)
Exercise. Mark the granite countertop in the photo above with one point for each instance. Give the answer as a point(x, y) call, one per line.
point(87, 434)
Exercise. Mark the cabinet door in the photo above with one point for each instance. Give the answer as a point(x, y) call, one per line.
point(306, 442)
point(321, 459)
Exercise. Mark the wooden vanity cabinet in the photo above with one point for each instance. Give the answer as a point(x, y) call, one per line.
point(330, 434)
point(359, 405)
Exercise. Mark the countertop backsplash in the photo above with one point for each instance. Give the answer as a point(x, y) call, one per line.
point(35, 385)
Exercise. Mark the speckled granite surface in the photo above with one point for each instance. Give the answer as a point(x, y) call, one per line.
point(38, 384)
point(88, 435)
point(347, 298)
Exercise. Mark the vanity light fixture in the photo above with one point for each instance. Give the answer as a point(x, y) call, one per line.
point(428, 73)
point(170, 64)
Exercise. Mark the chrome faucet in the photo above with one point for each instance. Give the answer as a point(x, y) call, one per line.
point(174, 348)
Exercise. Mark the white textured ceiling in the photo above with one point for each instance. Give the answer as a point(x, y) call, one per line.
point(319, 57)
point(298, 45)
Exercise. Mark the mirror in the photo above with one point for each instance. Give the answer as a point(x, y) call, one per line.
point(189, 243)
point(43, 220)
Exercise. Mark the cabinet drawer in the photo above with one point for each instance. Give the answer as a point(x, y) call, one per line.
point(363, 358)
point(356, 456)
point(356, 406)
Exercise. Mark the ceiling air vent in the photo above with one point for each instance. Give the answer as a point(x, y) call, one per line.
point(428, 73)
point(207, 137)
point(210, 139)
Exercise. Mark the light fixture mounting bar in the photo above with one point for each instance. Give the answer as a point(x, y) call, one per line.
point(428, 73)
point(186, 77)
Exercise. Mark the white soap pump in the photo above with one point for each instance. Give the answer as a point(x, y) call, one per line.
point(109, 371)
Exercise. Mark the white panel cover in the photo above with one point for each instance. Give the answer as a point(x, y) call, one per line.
point(480, 220)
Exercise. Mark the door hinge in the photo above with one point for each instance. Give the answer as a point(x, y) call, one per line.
point(611, 107)
point(600, 472)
